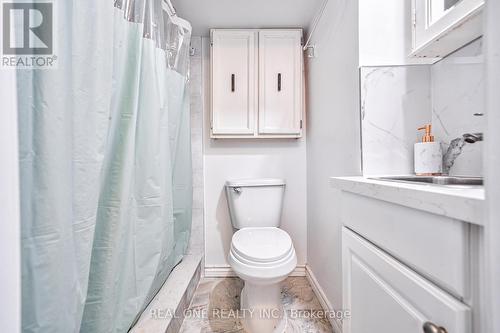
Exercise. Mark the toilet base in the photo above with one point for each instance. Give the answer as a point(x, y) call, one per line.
point(264, 312)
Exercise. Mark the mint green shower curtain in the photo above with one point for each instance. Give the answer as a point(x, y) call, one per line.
point(105, 166)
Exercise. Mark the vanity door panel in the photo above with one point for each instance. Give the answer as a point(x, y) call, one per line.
point(385, 296)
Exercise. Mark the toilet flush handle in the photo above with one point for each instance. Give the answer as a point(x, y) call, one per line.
point(237, 190)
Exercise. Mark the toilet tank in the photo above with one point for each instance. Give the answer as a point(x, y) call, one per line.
point(255, 202)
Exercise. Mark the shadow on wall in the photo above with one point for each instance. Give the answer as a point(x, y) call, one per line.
point(250, 146)
point(222, 216)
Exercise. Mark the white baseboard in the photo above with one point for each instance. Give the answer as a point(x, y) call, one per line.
point(226, 271)
point(218, 272)
point(323, 300)
point(299, 271)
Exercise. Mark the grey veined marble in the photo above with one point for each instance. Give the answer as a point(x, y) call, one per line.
point(395, 101)
point(458, 94)
point(215, 307)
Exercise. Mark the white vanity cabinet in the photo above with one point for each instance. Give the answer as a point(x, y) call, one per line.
point(385, 296)
point(443, 26)
point(257, 81)
point(410, 257)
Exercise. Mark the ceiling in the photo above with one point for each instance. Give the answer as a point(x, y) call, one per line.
point(206, 14)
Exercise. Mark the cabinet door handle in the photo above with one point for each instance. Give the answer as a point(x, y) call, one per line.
point(433, 328)
point(279, 81)
point(232, 83)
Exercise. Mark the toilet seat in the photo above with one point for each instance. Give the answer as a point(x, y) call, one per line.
point(261, 245)
point(262, 255)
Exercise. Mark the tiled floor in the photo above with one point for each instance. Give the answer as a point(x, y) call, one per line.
point(224, 294)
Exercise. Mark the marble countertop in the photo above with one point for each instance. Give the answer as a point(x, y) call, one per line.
point(461, 203)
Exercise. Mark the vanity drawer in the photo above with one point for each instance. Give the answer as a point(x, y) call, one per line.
point(385, 296)
point(437, 247)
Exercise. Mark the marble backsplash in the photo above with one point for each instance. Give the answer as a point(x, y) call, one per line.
point(396, 100)
point(457, 94)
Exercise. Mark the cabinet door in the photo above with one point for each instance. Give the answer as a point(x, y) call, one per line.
point(443, 26)
point(385, 296)
point(280, 82)
point(234, 82)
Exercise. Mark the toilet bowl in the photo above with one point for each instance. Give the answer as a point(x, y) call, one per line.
point(262, 257)
point(261, 254)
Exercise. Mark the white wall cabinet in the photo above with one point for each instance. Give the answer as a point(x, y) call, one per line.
point(443, 26)
point(234, 82)
point(384, 295)
point(280, 82)
point(257, 83)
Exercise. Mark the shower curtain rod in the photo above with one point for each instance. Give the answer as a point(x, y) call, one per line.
point(316, 20)
point(170, 7)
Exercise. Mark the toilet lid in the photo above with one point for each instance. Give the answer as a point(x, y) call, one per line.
point(262, 244)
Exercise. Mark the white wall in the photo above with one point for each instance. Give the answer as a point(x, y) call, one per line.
point(10, 223)
point(376, 33)
point(492, 161)
point(251, 158)
point(385, 34)
point(333, 145)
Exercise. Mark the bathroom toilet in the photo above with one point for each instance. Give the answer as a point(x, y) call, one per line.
point(261, 254)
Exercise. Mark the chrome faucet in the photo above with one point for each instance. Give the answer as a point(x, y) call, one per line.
point(456, 146)
point(473, 137)
point(455, 149)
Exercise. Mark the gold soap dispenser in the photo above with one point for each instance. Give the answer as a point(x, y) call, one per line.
point(428, 157)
